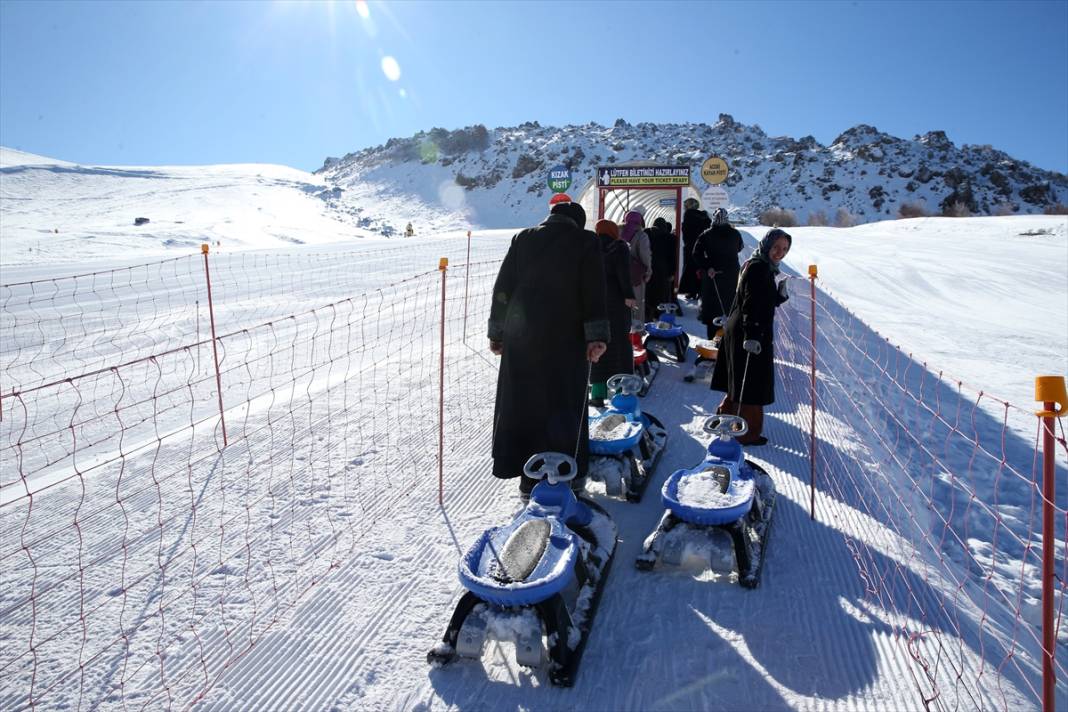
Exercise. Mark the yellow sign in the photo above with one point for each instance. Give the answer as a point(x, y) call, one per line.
point(714, 170)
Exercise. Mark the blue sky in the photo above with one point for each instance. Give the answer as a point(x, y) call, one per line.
point(144, 83)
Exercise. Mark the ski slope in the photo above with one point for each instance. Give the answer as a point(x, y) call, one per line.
point(371, 597)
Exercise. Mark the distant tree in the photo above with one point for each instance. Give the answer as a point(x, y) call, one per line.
point(1003, 209)
point(817, 218)
point(778, 217)
point(911, 210)
point(956, 209)
point(1056, 209)
point(844, 218)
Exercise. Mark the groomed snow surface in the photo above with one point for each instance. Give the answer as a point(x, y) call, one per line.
point(308, 565)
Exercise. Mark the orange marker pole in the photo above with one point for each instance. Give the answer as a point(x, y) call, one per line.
point(443, 265)
point(812, 273)
point(1050, 390)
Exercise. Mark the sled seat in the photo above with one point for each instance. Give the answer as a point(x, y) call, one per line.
point(522, 551)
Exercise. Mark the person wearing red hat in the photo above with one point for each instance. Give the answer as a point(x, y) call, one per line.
point(560, 198)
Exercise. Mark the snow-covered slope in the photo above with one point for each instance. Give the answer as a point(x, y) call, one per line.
point(983, 298)
point(57, 211)
point(814, 636)
point(498, 178)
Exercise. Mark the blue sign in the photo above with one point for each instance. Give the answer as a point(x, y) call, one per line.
point(667, 202)
point(559, 179)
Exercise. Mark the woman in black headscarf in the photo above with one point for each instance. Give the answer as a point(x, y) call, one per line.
point(745, 368)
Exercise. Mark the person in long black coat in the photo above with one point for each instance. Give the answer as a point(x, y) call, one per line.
point(745, 369)
point(659, 289)
point(619, 300)
point(694, 222)
point(716, 255)
point(548, 323)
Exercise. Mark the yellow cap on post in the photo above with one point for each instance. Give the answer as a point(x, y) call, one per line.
point(204, 248)
point(1050, 389)
point(812, 270)
point(443, 263)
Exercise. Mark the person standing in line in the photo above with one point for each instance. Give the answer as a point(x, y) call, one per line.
point(641, 258)
point(694, 222)
point(548, 324)
point(662, 246)
point(715, 254)
point(619, 300)
point(745, 369)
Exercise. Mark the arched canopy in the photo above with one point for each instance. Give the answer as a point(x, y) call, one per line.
point(658, 202)
point(656, 188)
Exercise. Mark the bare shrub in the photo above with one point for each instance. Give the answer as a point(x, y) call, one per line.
point(817, 218)
point(844, 218)
point(956, 209)
point(911, 210)
point(778, 217)
point(1056, 209)
point(1003, 209)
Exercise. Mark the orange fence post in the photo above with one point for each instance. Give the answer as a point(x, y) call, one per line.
point(1050, 390)
point(467, 276)
point(214, 343)
point(812, 272)
point(443, 265)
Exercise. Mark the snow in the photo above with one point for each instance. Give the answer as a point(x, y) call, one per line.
point(701, 489)
point(613, 427)
point(983, 299)
point(360, 578)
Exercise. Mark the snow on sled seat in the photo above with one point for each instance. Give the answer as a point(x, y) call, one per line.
point(523, 551)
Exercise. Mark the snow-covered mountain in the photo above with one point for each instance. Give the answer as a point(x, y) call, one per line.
point(498, 178)
point(53, 210)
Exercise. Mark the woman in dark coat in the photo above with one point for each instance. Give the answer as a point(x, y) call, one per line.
point(548, 323)
point(619, 300)
point(694, 222)
point(716, 255)
point(748, 352)
point(659, 289)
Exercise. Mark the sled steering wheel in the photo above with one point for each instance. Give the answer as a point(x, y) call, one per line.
point(726, 426)
point(626, 383)
point(669, 308)
point(553, 466)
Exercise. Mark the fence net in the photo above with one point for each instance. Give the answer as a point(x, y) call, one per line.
point(140, 557)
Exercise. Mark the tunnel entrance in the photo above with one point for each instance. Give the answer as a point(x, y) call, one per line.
point(658, 189)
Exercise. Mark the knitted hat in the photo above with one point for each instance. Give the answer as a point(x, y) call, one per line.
point(607, 227)
point(573, 211)
point(560, 198)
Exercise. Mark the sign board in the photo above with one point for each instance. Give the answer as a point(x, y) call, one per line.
point(643, 176)
point(667, 202)
point(714, 170)
point(714, 197)
point(559, 179)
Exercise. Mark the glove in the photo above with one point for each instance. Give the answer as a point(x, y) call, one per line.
point(783, 295)
point(752, 346)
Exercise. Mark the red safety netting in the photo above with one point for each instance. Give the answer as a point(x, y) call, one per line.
point(937, 487)
point(141, 558)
